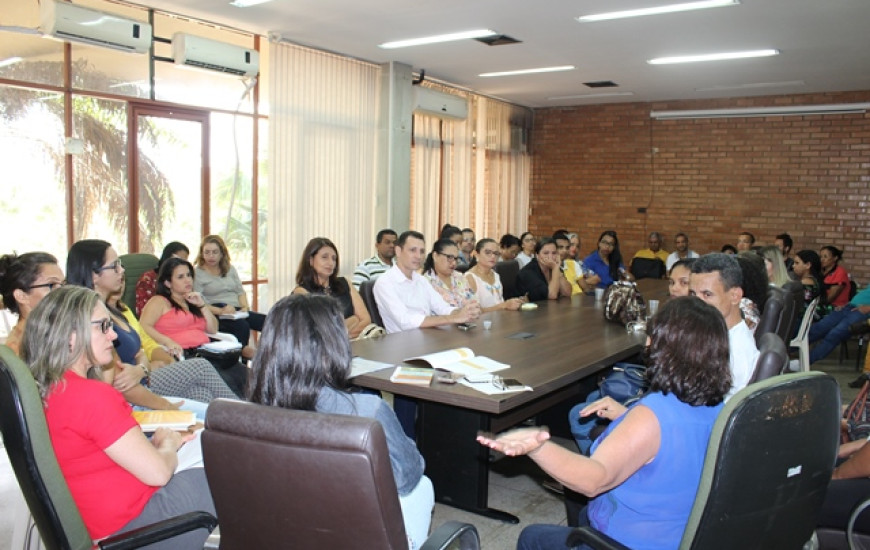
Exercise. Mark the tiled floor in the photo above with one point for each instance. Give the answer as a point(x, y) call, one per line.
point(514, 486)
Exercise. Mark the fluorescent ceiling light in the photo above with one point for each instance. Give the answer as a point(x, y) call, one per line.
point(477, 33)
point(711, 57)
point(531, 71)
point(671, 8)
point(10, 61)
point(789, 110)
point(591, 96)
point(752, 86)
point(246, 3)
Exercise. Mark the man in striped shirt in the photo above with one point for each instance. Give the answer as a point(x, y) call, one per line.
point(369, 270)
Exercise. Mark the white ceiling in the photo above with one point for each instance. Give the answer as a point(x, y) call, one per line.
point(825, 44)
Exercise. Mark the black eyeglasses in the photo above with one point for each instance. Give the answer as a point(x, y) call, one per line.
point(116, 265)
point(105, 325)
point(450, 257)
point(49, 286)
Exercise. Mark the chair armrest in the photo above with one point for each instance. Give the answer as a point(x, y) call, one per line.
point(450, 532)
point(850, 527)
point(595, 539)
point(159, 531)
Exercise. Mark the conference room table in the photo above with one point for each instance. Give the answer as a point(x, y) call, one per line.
point(550, 349)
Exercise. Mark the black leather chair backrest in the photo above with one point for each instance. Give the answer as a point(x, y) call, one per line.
point(367, 292)
point(647, 268)
point(283, 478)
point(773, 313)
point(508, 271)
point(794, 291)
point(772, 357)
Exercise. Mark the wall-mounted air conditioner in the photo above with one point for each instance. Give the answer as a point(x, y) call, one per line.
point(434, 103)
point(195, 51)
point(77, 24)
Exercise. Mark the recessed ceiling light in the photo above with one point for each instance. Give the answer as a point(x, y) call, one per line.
point(478, 33)
point(247, 3)
point(671, 8)
point(591, 96)
point(10, 61)
point(711, 57)
point(530, 71)
point(752, 85)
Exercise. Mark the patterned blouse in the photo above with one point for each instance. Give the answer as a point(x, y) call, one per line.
point(458, 295)
point(488, 295)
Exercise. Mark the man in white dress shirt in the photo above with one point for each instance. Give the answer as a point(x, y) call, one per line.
point(717, 279)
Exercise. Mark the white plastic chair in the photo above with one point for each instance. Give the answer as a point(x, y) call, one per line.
point(802, 340)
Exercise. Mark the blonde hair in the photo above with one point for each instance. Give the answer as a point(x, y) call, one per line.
point(224, 264)
point(48, 346)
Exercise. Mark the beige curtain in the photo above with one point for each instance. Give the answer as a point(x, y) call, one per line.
point(323, 150)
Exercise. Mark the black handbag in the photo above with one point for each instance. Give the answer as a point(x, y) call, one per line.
point(220, 360)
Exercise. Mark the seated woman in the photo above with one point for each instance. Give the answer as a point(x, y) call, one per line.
point(645, 468)
point(527, 251)
point(483, 281)
point(94, 264)
point(836, 280)
point(303, 363)
point(755, 284)
point(221, 288)
point(24, 281)
point(440, 269)
point(541, 279)
point(606, 262)
point(318, 274)
point(118, 479)
point(678, 278)
point(178, 319)
point(777, 273)
point(146, 286)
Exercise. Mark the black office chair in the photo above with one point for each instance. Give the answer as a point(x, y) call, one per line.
point(772, 357)
point(284, 478)
point(508, 271)
point(795, 292)
point(647, 268)
point(367, 292)
point(773, 314)
point(768, 464)
point(26, 439)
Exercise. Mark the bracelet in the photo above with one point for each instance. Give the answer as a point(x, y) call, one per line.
point(147, 370)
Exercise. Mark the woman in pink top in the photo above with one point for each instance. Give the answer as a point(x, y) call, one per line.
point(178, 319)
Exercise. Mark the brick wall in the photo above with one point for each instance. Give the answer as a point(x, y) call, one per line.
point(595, 166)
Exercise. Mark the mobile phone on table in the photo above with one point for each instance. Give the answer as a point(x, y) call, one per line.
point(466, 326)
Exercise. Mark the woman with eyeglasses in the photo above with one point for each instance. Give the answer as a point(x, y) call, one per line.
point(606, 262)
point(118, 478)
point(94, 264)
point(440, 269)
point(318, 274)
point(24, 281)
point(527, 246)
point(179, 319)
point(220, 286)
point(485, 282)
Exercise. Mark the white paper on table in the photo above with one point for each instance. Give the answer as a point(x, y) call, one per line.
point(491, 389)
point(360, 366)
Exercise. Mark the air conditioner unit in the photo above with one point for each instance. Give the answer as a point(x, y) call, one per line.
point(434, 103)
point(204, 53)
point(77, 24)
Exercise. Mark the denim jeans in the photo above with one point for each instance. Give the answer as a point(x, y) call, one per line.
point(832, 330)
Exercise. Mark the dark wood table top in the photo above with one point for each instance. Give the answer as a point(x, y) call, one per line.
point(571, 340)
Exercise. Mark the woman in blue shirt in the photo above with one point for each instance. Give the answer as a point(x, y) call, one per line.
point(606, 262)
point(645, 468)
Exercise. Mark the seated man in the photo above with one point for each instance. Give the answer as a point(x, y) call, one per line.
point(681, 252)
point(406, 300)
point(655, 248)
point(784, 242)
point(371, 269)
point(466, 248)
point(717, 279)
point(745, 241)
point(833, 329)
point(571, 268)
